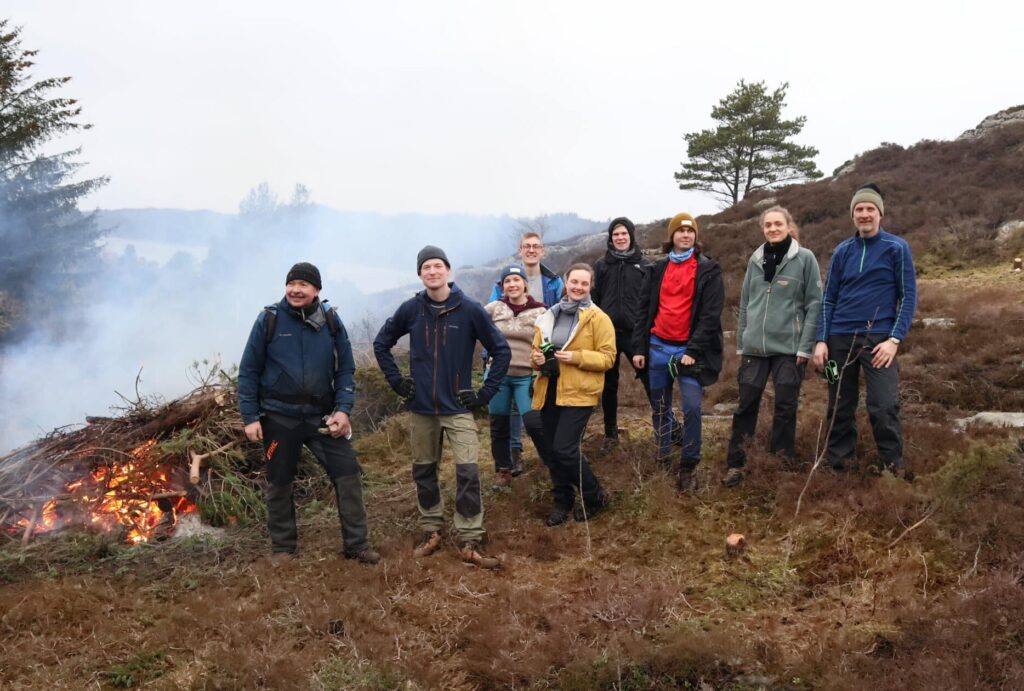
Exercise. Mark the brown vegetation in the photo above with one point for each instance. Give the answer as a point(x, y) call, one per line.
point(876, 583)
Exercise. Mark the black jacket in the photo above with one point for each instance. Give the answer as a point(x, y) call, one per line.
point(705, 342)
point(618, 282)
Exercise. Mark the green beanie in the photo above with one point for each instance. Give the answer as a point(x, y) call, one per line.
point(870, 194)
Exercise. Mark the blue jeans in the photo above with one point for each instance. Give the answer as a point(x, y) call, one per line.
point(513, 395)
point(520, 405)
point(661, 404)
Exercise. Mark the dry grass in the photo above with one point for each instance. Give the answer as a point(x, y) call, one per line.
point(877, 583)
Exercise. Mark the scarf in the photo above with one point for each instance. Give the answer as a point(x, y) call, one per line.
point(680, 257)
point(621, 255)
point(519, 309)
point(773, 256)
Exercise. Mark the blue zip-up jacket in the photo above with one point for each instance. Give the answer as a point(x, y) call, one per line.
point(441, 351)
point(869, 280)
point(552, 282)
point(294, 374)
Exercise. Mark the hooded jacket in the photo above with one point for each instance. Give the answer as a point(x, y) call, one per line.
point(552, 282)
point(592, 344)
point(705, 343)
point(441, 351)
point(780, 317)
point(618, 281)
point(294, 373)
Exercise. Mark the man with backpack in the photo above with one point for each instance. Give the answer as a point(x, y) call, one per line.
point(296, 387)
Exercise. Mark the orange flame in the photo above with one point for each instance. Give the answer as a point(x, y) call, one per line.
point(123, 496)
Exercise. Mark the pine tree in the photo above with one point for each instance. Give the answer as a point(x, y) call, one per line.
point(43, 235)
point(750, 149)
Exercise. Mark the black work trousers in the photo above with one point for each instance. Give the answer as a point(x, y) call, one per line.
point(564, 427)
point(882, 385)
point(610, 395)
point(787, 376)
point(283, 439)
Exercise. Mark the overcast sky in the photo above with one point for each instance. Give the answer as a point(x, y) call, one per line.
point(519, 107)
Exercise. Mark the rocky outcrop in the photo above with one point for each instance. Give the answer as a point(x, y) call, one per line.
point(1008, 230)
point(991, 419)
point(1000, 119)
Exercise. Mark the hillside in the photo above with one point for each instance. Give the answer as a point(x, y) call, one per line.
point(865, 582)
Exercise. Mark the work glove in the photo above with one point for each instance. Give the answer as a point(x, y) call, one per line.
point(406, 388)
point(469, 398)
point(677, 369)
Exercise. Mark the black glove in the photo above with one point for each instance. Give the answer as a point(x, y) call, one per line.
point(406, 388)
point(550, 366)
point(677, 369)
point(469, 398)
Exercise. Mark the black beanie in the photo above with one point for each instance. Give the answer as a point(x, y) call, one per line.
point(304, 271)
point(431, 252)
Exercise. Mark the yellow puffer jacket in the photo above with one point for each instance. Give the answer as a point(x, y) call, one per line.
point(592, 344)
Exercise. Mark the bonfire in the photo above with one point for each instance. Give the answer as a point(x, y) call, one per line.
point(135, 475)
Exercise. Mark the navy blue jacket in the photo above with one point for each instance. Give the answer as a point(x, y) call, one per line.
point(869, 281)
point(294, 374)
point(441, 351)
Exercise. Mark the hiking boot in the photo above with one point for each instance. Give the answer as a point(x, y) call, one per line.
point(517, 462)
point(503, 480)
point(472, 554)
point(687, 482)
point(677, 435)
point(428, 544)
point(607, 446)
point(277, 559)
point(558, 516)
point(367, 556)
point(588, 513)
point(733, 477)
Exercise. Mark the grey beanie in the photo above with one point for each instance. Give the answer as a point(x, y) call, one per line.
point(431, 252)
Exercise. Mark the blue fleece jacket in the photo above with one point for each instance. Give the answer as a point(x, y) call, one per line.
point(869, 281)
point(294, 374)
point(441, 351)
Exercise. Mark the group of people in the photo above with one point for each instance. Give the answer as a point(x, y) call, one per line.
point(552, 346)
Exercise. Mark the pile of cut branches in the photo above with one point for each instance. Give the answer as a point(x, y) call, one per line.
point(145, 455)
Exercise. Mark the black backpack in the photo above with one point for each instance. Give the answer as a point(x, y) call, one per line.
point(333, 325)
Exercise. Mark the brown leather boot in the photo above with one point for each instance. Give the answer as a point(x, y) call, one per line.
point(472, 554)
point(503, 480)
point(367, 556)
point(427, 544)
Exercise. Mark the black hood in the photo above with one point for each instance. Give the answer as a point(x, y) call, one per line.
point(628, 224)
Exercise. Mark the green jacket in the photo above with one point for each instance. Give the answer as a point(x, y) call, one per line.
point(780, 318)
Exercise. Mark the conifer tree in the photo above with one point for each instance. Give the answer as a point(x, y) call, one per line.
point(750, 149)
point(42, 232)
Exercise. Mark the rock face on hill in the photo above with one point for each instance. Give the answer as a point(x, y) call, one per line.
point(1009, 116)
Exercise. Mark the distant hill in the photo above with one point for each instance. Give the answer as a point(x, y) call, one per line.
point(386, 240)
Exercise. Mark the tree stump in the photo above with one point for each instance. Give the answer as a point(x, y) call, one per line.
point(735, 544)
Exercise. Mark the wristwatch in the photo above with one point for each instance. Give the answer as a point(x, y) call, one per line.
point(893, 339)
